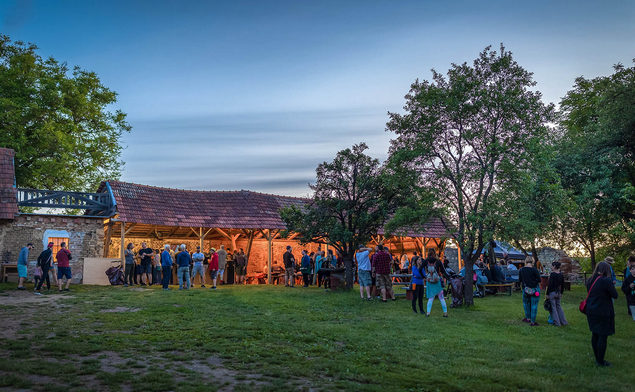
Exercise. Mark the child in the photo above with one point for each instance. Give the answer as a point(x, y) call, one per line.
point(37, 275)
point(628, 287)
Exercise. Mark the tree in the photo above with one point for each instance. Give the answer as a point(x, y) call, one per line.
point(352, 200)
point(529, 208)
point(597, 160)
point(466, 136)
point(59, 125)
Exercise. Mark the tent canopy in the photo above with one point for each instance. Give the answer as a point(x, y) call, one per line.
point(503, 247)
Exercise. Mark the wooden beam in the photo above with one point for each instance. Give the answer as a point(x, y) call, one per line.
point(269, 255)
point(221, 232)
point(292, 236)
point(123, 243)
point(107, 239)
point(132, 225)
point(194, 231)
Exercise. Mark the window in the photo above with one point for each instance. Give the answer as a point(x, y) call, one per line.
point(57, 245)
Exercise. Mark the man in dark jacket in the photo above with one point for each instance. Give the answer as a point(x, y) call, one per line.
point(289, 267)
point(530, 279)
point(44, 262)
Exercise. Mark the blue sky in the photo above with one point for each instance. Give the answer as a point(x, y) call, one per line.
point(254, 94)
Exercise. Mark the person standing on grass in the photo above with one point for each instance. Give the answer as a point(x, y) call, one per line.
point(289, 267)
point(198, 258)
point(44, 262)
point(64, 266)
point(305, 268)
point(364, 271)
point(381, 269)
point(146, 263)
point(241, 267)
point(319, 257)
point(156, 267)
point(628, 287)
point(183, 264)
point(555, 289)
point(530, 280)
point(23, 261)
point(434, 287)
point(222, 263)
point(128, 271)
point(418, 275)
point(213, 267)
point(166, 266)
point(599, 310)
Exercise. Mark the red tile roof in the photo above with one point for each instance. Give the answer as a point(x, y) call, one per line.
point(435, 228)
point(231, 210)
point(8, 195)
point(178, 207)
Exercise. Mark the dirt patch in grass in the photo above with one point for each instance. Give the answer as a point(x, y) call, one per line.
point(26, 297)
point(120, 309)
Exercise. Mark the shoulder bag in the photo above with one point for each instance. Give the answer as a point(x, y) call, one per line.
point(582, 306)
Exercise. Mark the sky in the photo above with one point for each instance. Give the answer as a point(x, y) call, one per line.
point(255, 94)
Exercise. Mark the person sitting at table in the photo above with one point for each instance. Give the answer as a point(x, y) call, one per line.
point(497, 273)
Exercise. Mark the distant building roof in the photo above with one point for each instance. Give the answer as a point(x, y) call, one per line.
point(222, 209)
point(8, 195)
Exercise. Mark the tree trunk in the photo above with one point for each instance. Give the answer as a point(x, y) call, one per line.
point(592, 252)
point(349, 274)
point(468, 287)
point(534, 253)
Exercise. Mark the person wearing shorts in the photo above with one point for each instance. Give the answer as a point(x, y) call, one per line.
point(146, 254)
point(198, 258)
point(364, 271)
point(381, 268)
point(22, 265)
point(64, 267)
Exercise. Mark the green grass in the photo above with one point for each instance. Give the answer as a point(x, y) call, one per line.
point(272, 338)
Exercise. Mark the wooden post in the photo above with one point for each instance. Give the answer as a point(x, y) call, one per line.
point(107, 239)
point(458, 247)
point(123, 243)
point(269, 255)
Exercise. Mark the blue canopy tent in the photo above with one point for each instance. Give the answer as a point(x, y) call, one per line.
point(504, 247)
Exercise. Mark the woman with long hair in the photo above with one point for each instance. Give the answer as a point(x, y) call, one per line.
point(434, 287)
point(418, 274)
point(128, 271)
point(599, 310)
point(555, 289)
point(529, 278)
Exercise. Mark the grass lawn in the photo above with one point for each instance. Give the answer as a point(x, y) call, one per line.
point(274, 338)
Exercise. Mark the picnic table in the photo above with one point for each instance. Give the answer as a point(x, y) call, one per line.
point(404, 281)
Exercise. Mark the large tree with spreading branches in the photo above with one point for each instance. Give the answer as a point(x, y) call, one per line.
point(467, 134)
point(58, 120)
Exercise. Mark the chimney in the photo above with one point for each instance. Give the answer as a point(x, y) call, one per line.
point(8, 191)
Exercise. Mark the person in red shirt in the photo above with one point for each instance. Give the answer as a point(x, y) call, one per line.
point(381, 268)
point(213, 267)
point(64, 267)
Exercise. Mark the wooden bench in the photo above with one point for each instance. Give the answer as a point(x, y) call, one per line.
point(498, 287)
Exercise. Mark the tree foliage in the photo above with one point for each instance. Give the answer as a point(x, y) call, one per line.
point(352, 200)
point(467, 136)
point(597, 160)
point(57, 120)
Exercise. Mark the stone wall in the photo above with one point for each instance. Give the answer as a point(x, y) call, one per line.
point(86, 238)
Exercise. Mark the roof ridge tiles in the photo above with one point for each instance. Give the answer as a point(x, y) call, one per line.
point(236, 192)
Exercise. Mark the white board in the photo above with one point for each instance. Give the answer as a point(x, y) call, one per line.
point(95, 270)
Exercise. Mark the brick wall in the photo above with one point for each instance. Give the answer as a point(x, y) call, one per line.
point(86, 238)
point(8, 201)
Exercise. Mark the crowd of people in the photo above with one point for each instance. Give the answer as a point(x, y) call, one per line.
point(376, 268)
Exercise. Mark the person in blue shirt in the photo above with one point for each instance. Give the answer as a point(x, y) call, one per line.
point(183, 260)
point(305, 268)
point(363, 271)
point(22, 265)
point(166, 267)
point(418, 275)
point(198, 258)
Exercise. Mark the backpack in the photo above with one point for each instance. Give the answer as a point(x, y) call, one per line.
point(433, 275)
